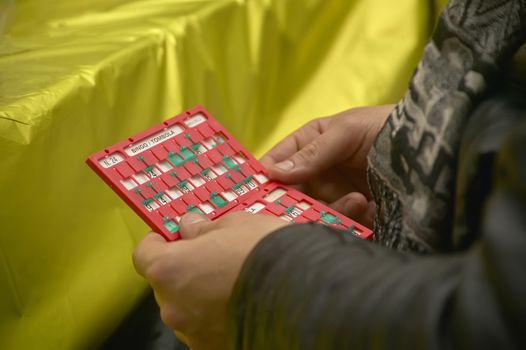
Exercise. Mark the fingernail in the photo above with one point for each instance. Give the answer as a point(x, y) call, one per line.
point(285, 165)
point(193, 218)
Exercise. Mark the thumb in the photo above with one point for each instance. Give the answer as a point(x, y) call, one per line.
point(193, 225)
point(352, 205)
point(147, 251)
point(357, 207)
point(323, 152)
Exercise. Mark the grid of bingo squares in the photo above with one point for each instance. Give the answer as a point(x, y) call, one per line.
point(190, 163)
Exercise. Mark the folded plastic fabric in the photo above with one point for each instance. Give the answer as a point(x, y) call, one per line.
point(77, 76)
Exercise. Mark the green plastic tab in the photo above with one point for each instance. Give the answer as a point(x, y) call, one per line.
point(290, 209)
point(217, 200)
point(140, 158)
point(170, 225)
point(194, 209)
point(149, 184)
point(328, 218)
point(173, 173)
point(220, 140)
point(175, 159)
point(186, 153)
point(147, 201)
point(351, 230)
point(137, 190)
point(158, 195)
point(247, 179)
point(148, 169)
point(195, 146)
point(182, 184)
point(230, 164)
point(277, 202)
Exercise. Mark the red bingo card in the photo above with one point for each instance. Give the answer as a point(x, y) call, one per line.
point(190, 163)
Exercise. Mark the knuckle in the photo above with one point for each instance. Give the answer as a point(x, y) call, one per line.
point(309, 152)
point(233, 217)
point(200, 230)
point(314, 126)
point(343, 125)
point(186, 228)
point(314, 123)
point(157, 272)
point(346, 127)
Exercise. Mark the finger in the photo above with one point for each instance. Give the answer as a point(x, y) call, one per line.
point(326, 150)
point(367, 218)
point(193, 225)
point(292, 143)
point(353, 205)
point(149, 249)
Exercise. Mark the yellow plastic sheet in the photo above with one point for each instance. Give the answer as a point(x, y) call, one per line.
point(76, 76)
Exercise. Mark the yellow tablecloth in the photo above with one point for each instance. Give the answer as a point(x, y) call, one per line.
point(76, 76)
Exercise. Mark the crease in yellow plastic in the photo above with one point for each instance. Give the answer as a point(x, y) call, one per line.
point(76, 76)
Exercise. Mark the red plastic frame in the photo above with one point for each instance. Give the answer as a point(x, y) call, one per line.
point(151, 157)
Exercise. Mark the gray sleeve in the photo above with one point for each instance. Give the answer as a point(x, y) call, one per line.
point(309, 287)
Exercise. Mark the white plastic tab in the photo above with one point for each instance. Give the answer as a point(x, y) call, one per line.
point(254, 208)
point(251, 184)
point(241, 190)
point(152, 206)
point(303, 205)
point(209, 143)
point(219, 169)
point(206, 207)
point(163, 199)
point(174, 192)
point(229, 195)
point(274, 195)
point(239, 158)
point(153, 140)
point(200, 149)
point(261, 178)
point(197, 181)
point(286, 218)
point(141, 177)
point(209, 175)
point(154, 172)
point(195, 120)
point(165, 166)
point(111, 160)
point(128, 183)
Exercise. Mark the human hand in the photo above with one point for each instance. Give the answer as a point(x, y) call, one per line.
point(193, 278)
point(327, 159)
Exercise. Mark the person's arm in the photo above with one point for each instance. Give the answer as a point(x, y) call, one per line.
point(309, 287)
point(193, 277)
